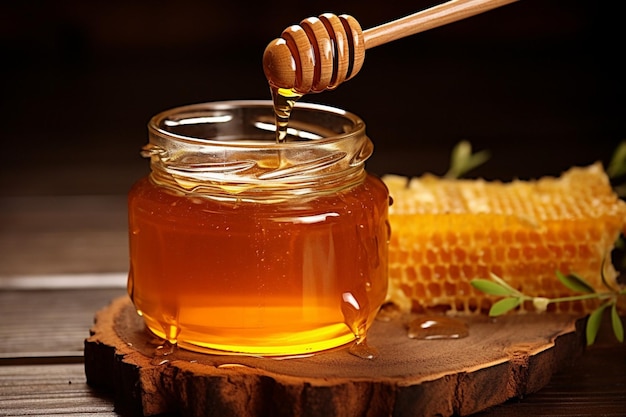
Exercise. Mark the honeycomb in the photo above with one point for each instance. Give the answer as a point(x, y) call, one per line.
point(446, 232)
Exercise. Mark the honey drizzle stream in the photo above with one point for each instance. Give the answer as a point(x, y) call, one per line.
point(284, 100)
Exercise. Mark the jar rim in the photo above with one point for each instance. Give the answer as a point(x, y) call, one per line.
point(357, 124)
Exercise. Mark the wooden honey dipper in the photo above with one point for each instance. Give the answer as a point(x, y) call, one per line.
point(322, 52)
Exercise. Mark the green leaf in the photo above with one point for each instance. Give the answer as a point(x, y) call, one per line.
point(462, 160)
point(593, 324)
point(617, 166)
point(616, 322)
point(575, 283)
point(490, 287)
point(504, 305)
point(504, 284)
point(461, 152)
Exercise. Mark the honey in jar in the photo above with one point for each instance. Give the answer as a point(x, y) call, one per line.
point(240, 244)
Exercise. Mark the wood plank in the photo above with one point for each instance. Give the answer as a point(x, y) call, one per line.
point(70, 234)
point(64, 281)
point(48, 323)
point(45, 390)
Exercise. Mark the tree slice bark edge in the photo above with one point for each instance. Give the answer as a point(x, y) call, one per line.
point(501, 359)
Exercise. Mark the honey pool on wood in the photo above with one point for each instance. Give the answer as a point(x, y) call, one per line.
point(500, 359)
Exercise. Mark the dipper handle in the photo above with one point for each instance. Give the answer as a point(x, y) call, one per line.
point(431, 18)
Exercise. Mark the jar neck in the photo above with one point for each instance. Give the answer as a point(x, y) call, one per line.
point(228, 151)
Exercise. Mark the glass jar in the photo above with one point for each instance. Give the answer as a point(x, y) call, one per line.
point(240, 244)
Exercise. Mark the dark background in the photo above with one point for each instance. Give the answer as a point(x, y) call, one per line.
point(540, 83)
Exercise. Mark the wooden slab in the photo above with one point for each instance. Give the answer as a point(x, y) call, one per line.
point(502, 358)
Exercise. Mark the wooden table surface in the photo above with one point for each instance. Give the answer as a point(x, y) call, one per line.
point(63, 258)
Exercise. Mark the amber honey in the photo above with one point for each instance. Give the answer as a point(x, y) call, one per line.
point(284, 254)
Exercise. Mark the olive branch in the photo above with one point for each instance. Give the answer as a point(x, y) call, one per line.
point(514, 298)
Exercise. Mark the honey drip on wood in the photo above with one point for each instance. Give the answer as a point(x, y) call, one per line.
point(355, 308)
point(437, 327)
point(362, 350)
